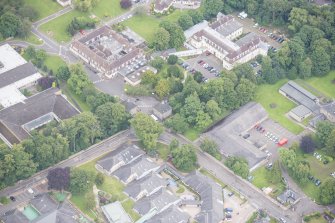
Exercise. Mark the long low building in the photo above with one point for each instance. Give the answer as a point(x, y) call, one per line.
point(218, 38)
point(15, 73)
point(106, 51)
point(18, 120)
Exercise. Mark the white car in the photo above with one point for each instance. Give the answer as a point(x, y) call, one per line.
point(30, 190)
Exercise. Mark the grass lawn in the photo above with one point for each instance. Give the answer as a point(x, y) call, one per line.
point(268, 94)
point(57, 28)
point(31, 39)
point(112, 186)
point(54, 62)
point(146, 26)
point(108, 8)
point(192, 134)
point(163, 151)
point(260, 180)
point(44, 7)
point(318, 170)
point(324, 84)
point(318, 220)
point(75, 99)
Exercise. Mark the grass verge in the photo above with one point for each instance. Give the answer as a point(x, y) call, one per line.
point(277, 105)
point(44, 7)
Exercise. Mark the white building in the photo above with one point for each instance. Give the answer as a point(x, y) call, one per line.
point(64, 2)
point(218, 38)
point(15, 73)
point(162, 6)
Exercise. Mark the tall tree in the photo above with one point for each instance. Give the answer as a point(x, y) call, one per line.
point(212, 8)
point(81, 181)
point(147, 130)
point(184, 157)
point(78, 80)
point(307, 144)
point(185, 21)
point(59, 179)
point(238, 165)
point(9, 24)
point(327, 191)
point(323, 131)
point(161, 39)
point(85, 5)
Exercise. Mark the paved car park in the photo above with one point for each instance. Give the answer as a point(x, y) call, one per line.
point(202, 61)
point(241, 211)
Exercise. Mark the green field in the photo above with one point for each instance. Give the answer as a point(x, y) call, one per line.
point(318, 170)
point(267, 94)
point(163, 151)
point(260, 180)
point(146, 25)
point(54, 62)
point(44, 7)
point(31, 39)
point(324, 84)
point(112, 186)
point(57, 28)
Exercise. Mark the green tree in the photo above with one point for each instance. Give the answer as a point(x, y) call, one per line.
point(185, 21)
point(162, 88)
point(63, 73)
point(172, 59)
point(238, 165)
point(9, 24)
point(161, 39)
point(305, 68)
point(99, 179)
point(198, 77)
point(177, 123)
point(147, 130)
point(327, 191)
point(323, 132)
point(330, 144)
point(149, 78)
point(27, 11)
point(184, 157)
point(213, 109)
point(268, 72)
point(196, 15)
point(174, 71)
point(321, 61)
point(245, 91)
point(298, 18)
point(191, 109)
point(112, 118)
point(212, 8)
point(85, 5)
point(157, 63)
point(78, 80)
point(211, 147)
point(203, 120)
point(81, 181)
point(177, 37)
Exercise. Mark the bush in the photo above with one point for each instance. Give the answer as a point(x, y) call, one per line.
point(4, 200)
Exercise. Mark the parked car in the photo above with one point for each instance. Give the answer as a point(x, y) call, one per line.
point(12, 198)
point(228, 210)
point(230, 194)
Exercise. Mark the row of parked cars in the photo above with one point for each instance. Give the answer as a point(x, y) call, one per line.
point(279, 39)
point(208, 67)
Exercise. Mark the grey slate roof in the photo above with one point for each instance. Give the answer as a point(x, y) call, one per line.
point(160, 200)
point(170, 215)
point(148, 183)
point(226, 24)
point(330, 108)
point(301, 111)
point(49, 210)
point(139, 167)
point(163, 107)
point(211, 197)
point(300, 95)
point(227, 132)
point(287, 196)
point(17, 74)
point(125, 154)
point(13, 118)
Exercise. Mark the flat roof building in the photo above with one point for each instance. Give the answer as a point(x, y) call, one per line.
point(106, 50)
point(18, 120)
point(300, 112)
point(115, 213)
point(15, 73)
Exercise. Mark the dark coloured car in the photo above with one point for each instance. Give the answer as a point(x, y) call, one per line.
point(12, 198)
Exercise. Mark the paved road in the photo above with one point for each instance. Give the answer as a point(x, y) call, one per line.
point(19, 190)
point(254, 195)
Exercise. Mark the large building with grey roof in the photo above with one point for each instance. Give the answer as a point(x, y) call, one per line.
point(301, 96)
point(211, 195)
point(145, 186)
point(157, 202)
point(15, 73)
point(47, 211)
point(218, 38)
point(135, 170)
point(122, 156)
point(172, 214)
point(17, 121)
point(161, 6)
point(106, 51)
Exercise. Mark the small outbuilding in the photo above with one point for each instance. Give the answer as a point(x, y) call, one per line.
point(162, 110)
point(300, 112)
point(115, 213)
